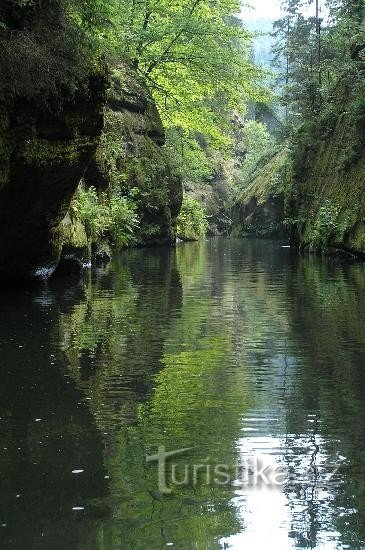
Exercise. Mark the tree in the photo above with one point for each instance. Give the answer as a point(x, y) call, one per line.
point(194, 55)
point(300, 54)
point(283, 29)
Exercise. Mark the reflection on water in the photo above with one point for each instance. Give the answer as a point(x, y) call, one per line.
point(234, 349)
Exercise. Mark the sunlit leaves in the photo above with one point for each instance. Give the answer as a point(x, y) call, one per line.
point(190, 52)
point(192, 222)
point(115, 216)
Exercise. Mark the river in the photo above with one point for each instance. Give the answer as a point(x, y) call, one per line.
point(242, 358)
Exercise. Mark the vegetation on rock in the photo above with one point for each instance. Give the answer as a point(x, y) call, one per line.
point(259, 207)
point(192, 221)
point(328, 144)
point(103, 215)
point(320, 59)
point(133, 161)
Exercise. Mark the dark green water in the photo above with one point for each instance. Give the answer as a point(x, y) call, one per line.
point(233, 349)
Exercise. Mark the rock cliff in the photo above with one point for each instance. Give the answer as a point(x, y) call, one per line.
point(131, 158)
point(58, 127)
point(51, 118)
point(326, 200)
point(259, 210)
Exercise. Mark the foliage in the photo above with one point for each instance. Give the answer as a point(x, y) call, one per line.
point(113, 216)
point(253, 145)
point(257, 144)
point(122, 220)
point(188, 157)
point(314, 52)
point(297, 56)
point(85, 208)
point(325, 225)
point(192, 221)
point(229, 171)
point(195, 56)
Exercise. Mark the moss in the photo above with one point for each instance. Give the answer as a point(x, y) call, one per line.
point(73, 233)
point(42, 153)
point(329, 177)
point(259, 210)
point(131, 149)
point(268, 180)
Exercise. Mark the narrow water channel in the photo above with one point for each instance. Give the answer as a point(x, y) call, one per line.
point(243, 356)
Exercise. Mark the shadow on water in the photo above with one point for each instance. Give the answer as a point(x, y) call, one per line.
point(46, 430)
point(231, 348)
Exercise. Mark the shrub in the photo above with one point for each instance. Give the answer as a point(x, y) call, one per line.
point(86, 208)
point(325, 225)
point(123, 220)
point(102, 216)
point(192, 222)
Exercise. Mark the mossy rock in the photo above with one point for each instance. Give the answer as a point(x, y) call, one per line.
point(259, 210)
point(46, 143)
point(133, 158)
point(327, 195)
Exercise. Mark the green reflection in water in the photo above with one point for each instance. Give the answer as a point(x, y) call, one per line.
point(179, 352)
point(229, 348)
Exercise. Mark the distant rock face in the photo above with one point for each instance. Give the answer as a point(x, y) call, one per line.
point(259, 211)
point(214, 196)
point(131, 158)
point(47, 139)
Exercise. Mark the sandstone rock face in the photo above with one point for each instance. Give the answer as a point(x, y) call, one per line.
point(56, 132)
point(132, 158)
point(328, 184)
point(259, 211)
point(325, 199)
point(43, 163)
point(49, 131)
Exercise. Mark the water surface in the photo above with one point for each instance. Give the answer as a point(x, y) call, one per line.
point(238, 350)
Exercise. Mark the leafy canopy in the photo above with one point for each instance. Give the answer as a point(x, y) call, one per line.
point(194, 54)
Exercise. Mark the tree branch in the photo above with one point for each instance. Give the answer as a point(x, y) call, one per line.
point(178, 35)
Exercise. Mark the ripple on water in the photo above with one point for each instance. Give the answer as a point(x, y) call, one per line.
point(234, 349)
